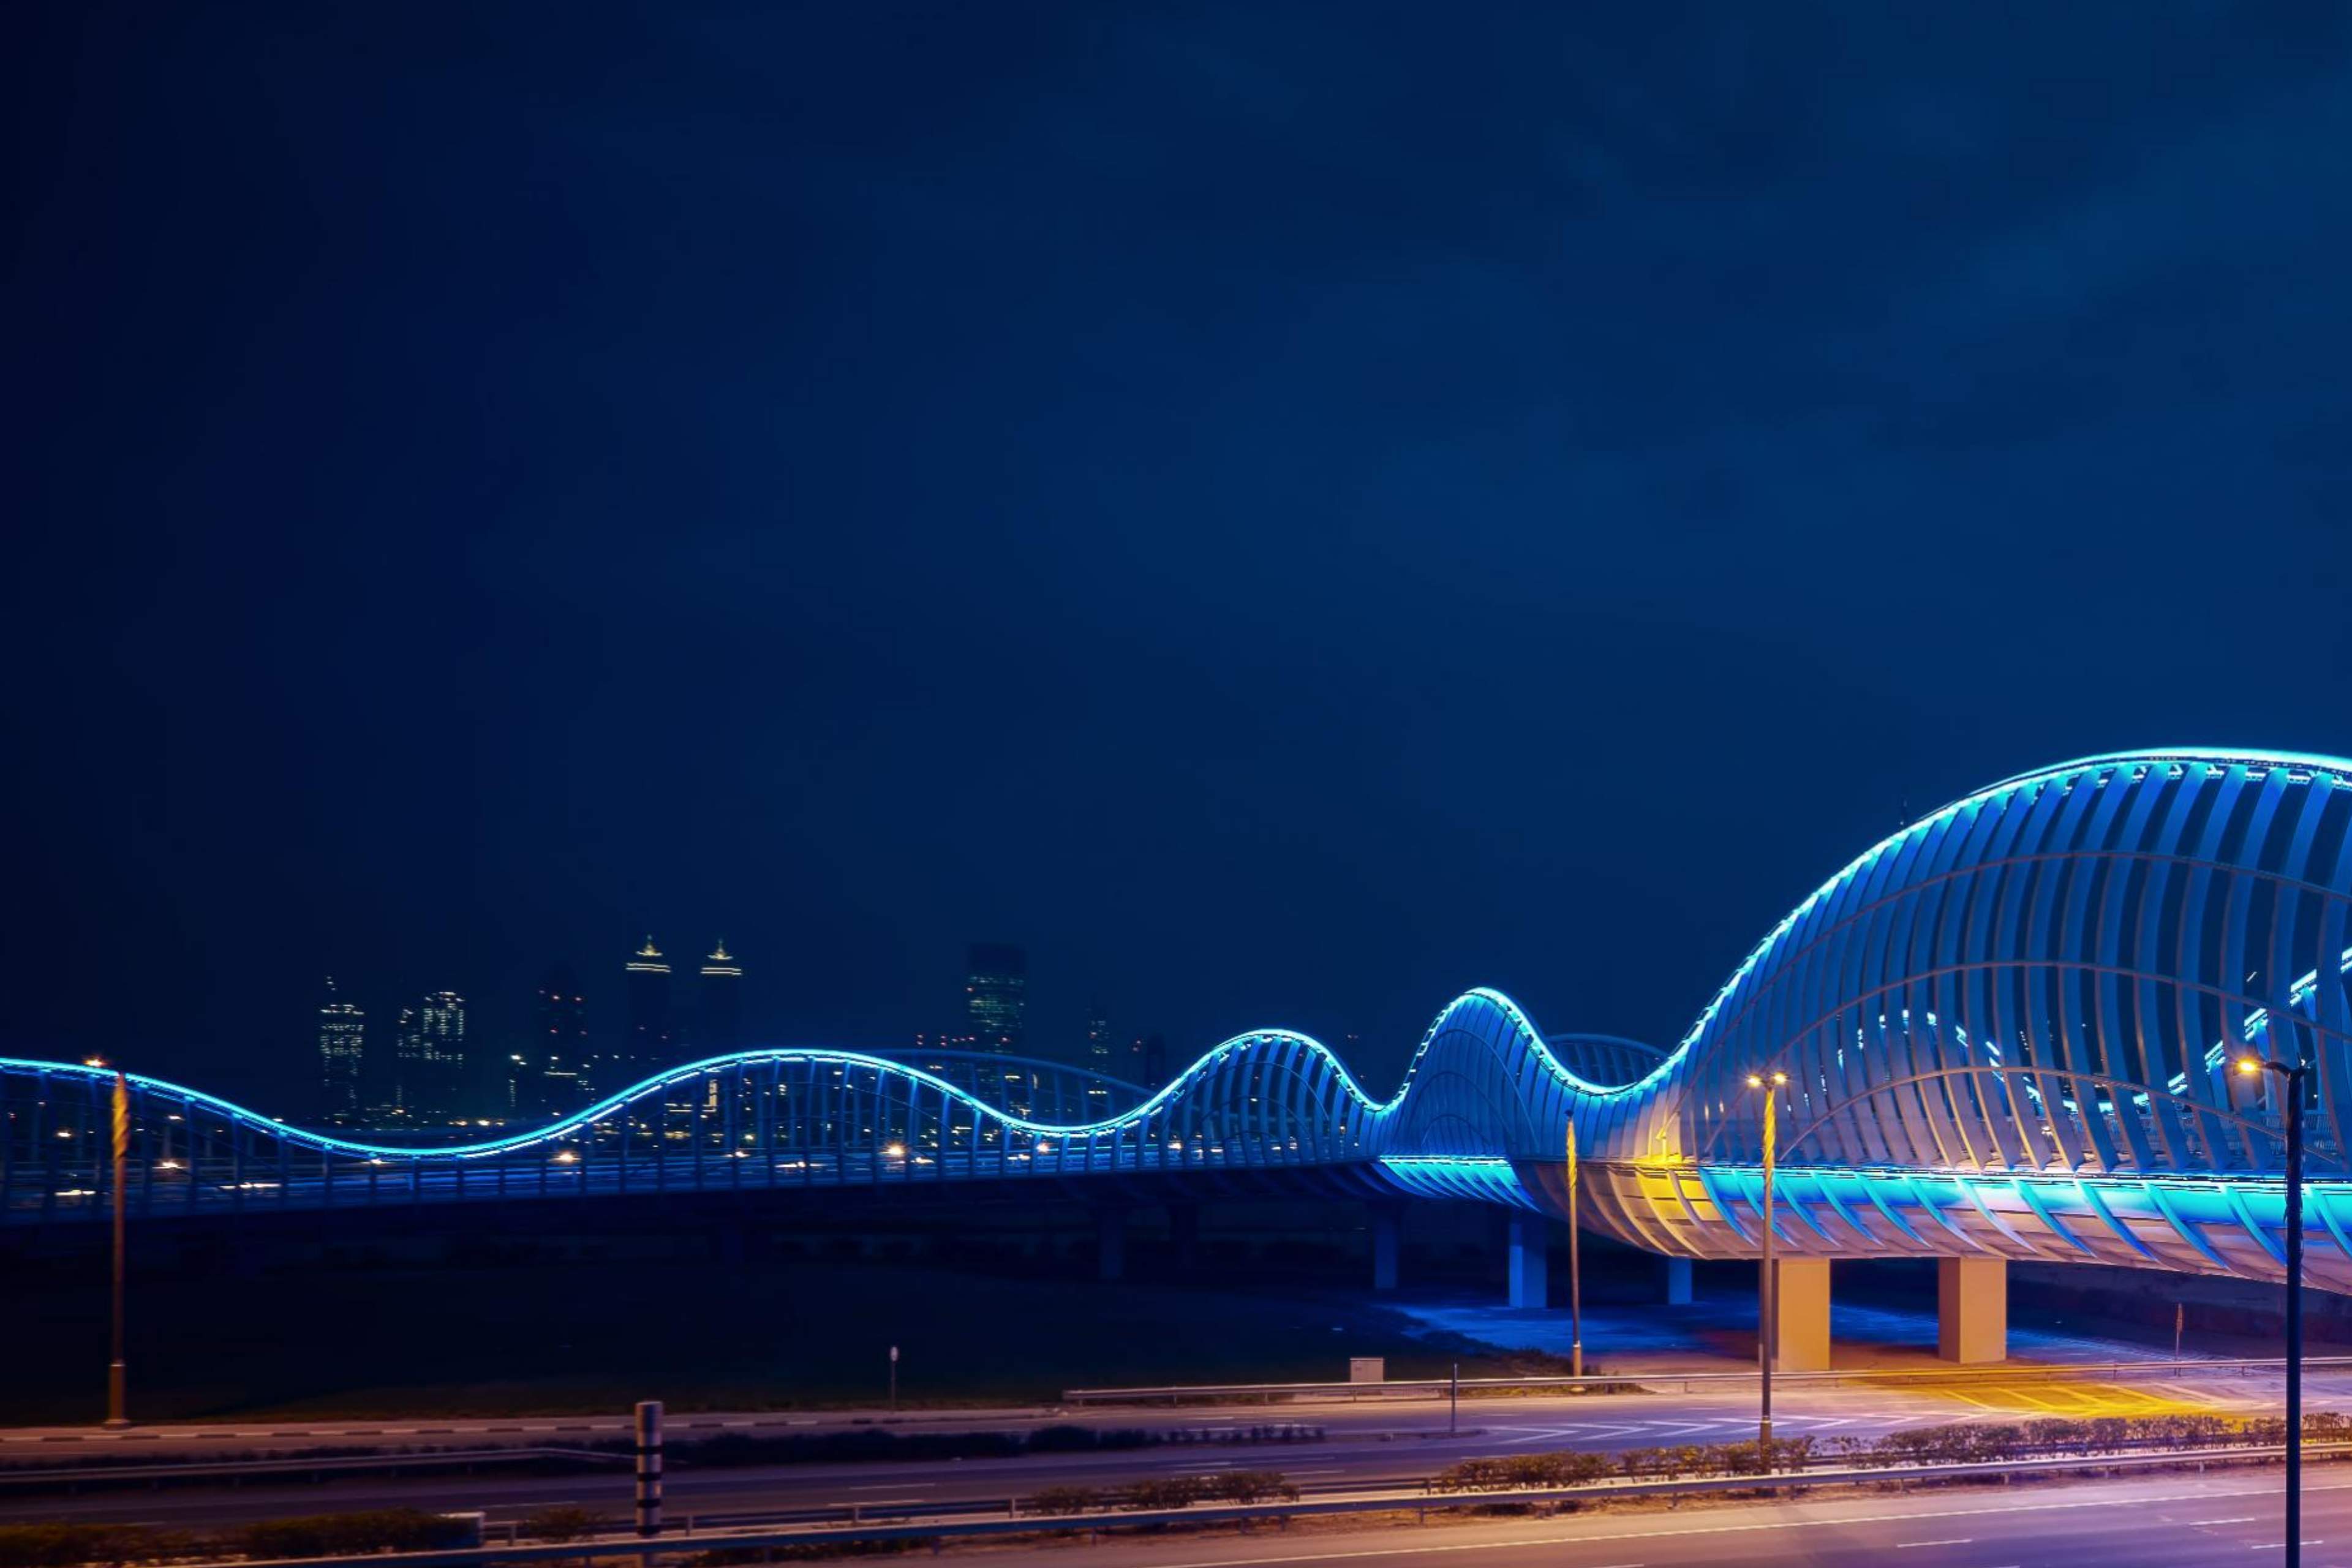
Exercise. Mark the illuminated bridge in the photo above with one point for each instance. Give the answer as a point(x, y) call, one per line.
point(2006, 1030)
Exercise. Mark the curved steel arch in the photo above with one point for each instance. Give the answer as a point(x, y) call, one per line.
point(2005, 1026)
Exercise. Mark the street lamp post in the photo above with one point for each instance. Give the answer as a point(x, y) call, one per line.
point(2293, 1075)
point(117, 1374)
point(1575, 1279)
point(1767, 1310)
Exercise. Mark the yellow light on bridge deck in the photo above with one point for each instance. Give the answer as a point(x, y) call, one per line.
point(1757, 1080)
point(2249, 1066)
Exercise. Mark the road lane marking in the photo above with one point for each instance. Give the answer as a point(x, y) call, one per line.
point(1947, 1541)
point(1519, 1543)
point(2206, 1523)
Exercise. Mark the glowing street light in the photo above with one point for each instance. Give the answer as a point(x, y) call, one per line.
point(116, 1374)
point(2294, 1076)
point(1575, 1279)
point(1768, 1311)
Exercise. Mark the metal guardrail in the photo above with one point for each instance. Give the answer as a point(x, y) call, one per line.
point(1438, 1387)
point(38, 1475)
point(1002, 1524)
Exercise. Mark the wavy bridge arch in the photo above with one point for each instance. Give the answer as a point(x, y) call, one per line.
point(2006, 1029)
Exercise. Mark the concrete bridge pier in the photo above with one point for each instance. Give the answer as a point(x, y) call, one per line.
point(1678, 1282)
point(1388, 1240)
point(1531, 1278)
point(1803, 1315)
point(1972, 1308)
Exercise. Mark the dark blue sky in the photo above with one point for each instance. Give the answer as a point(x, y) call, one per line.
point(1290, 511)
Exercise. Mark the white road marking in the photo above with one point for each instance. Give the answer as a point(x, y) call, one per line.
point(1993, 1510)
point(1947, 1541)
point(2241, 1519)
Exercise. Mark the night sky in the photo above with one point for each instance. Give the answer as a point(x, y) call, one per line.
point(1287, 510)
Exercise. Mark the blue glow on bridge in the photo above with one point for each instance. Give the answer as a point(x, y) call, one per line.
point(2003, 1028)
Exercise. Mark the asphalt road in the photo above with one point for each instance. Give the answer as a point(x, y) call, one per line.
point(2173, 1521)
point(1367, 1443)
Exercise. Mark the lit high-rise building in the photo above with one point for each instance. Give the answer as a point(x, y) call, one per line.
point(342, 1051)
point(996, 996)
point(429, 1058)
point(555, 1074)
point(719, 1004)
point(651, 1034)
point(1100, 1052)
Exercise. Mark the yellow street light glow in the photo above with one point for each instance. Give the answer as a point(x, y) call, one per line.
point(1758, 1080)
point(2249, 1066)
point(896, 1151)
point(93, 1061)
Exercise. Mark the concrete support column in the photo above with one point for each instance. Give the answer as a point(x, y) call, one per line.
point(1110, 1242)
point(1972, 1308)
point(1678, 1282)
point(1803, 1313)
point(1388, 1240)
point(1530, 1278)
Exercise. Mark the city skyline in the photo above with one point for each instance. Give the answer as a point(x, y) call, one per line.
point(1176, 494)
point(457, 1070)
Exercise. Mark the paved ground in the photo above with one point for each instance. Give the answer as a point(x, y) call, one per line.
point(1366, 1444)
point(1720, 1331)
point(2168, 1522)
point(1379, 1440)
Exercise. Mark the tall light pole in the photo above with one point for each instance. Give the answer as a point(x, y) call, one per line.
point(1575, 1279)
point(1767, 1310)
point(2293, 1075)
point(117, 1375)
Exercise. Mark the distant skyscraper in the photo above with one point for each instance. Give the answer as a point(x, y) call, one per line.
point(1100, 1055)
point(1155, 1061)
point(651, 1032)
point(996, 996)
point(719, 1004)
point(428, 1056)
point(342, 1049)
point(555, 1074)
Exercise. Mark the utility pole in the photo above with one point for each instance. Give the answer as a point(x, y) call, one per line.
point(2293, 1074)
point(1575, 1277)
point(118, 1375)
point(1767, 1310)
